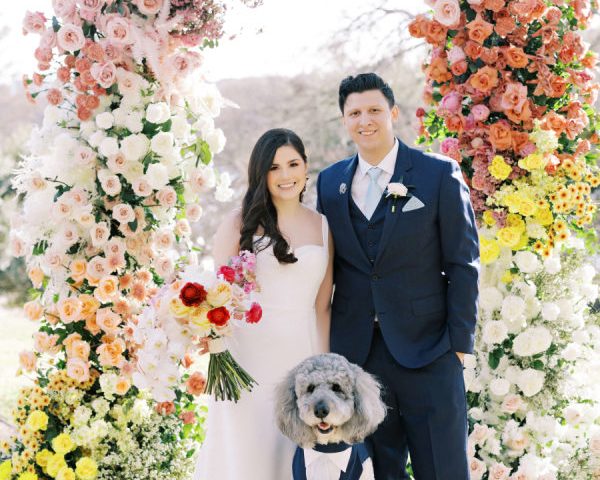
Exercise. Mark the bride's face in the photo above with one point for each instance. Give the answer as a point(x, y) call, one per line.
point(287, 175)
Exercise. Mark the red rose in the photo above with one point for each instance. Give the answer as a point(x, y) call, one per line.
point(228, 273)
point(218, 316)
point(254, 314)
point(192, 294)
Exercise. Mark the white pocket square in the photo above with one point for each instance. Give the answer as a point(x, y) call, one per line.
point(413, 204)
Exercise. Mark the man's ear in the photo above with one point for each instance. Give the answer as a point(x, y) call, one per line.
point(395, 113)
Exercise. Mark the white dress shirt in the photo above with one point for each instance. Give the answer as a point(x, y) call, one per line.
point(360, 182)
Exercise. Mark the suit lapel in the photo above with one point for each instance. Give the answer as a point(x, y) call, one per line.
point(401, 174)
point(343, 200)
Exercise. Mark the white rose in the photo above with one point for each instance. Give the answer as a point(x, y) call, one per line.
point(157, 112)
point(535, 230)
point(494, 332)
point(581, 336)
point(99, 234)
point(134, 147)
point(105, 120)
point(119, 116)
point(550, 311)
point(527, 261)
point(180, 127)
point(109, 147)
point(531, 382)
point(96, 138)
point(512, 373)
point(110, 182)
point(123, 213)
point(490, 299)
point(513, 313)
point(223, 193)
point(586, 273)
point(202, 178)
point(157, 176)
point(133, 122)
point(470, 361)
point(476, 413)
point(216, 140)
point(476, 468)
point(542, 339)
point(162, 143)
point(204, 125)
point(87, 128)
point(572, 414)
point(571, 352)
point(528, 290)
point(523, 344)
point(552, 265)
point(193, 212)
point(499, 387)
point(533, 308)
point(141, 187)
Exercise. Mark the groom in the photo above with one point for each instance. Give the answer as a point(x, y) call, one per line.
point(406, 269)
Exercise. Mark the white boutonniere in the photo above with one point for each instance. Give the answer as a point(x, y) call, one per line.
point(397, 190)
point(342, 188)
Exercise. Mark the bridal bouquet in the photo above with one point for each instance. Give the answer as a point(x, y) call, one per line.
point(197, 311)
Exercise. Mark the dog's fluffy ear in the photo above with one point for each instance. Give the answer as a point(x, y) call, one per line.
point(287, 413)
point(369, 409)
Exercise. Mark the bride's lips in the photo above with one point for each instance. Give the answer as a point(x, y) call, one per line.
point(325, 427)
point(287, 186)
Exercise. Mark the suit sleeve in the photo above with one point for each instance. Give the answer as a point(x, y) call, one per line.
point(460, 258)
point(319, 199)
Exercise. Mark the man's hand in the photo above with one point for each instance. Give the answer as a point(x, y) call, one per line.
point(461, 357)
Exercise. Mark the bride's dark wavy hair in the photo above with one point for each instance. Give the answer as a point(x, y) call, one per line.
point(257, 207)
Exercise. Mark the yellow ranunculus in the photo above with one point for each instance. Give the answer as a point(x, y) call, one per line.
point(489, 250)
point(512, 201)
point(37, 420)
point(499, 169)
point(535, 161)
point(42, 457)
point(28, 476)
point(527, 207)
point(66, 473)
point(86, 468)
point(508, 236)
point(544, 216)
point(515, 221)
point(488, 218)
point(5, 470)
point(219, 295)
point(63, 444)
point(55, 463)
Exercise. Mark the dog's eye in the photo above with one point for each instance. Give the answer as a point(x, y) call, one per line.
point(336, 388)
point(310, 388)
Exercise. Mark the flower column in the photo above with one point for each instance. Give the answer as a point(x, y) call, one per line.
point(119, 168)
point(510, 92)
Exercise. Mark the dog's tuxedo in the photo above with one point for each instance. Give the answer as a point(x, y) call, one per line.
point(338, 461)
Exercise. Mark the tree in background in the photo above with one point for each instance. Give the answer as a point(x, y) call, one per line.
point(510, 94)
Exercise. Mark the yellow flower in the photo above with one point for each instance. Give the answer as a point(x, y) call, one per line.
point(65, 473)
point(219, 295)
point(512, 201)
point(86, 469)
point(199, 319)
point(488, 218)
point(55, 463)
point(544, 216)
point(527, 207)
point(508, 236)
point(522, 243)
point(5, 470)
point(534, 161)
point(507, 277)
point(489, 250)
point(28, 476)
point(42, 457)
point(37, 420)
point(515, 221)
point(499, 169)
point(560, 226)
point(63, 444)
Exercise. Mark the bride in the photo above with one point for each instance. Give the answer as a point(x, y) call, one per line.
point(294, 268)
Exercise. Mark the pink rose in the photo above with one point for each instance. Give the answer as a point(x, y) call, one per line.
point(188, 417)
point(475, 2)
point(104, 73)
point(48, 39)
point(118, 30)
point(480, 112)
point(447, 12)
point(449, 146)
point(451, 102)
point(498, 472)
point(88, 9)
point(455, 55)
point(148, 7)
point(167, 197)
point(43, 55)
point(70, 37)
point(64, 8)
point(476, 468)
point(34, 22)
point(514, 97)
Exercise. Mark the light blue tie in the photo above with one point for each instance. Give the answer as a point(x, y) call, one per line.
point(373, 192)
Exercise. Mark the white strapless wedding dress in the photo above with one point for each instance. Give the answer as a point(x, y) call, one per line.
point(243, 441)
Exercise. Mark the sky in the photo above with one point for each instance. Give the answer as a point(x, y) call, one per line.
point(292, 33)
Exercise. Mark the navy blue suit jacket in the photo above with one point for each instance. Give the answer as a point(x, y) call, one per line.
point(423, 285)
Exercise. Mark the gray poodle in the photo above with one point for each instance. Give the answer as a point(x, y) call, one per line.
point(329, 404)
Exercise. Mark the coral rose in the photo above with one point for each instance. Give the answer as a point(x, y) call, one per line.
point(484, 80)
point(514, 97)
point(165, 408)
point(188, 417)
point(500, 135)
point(418, 27)
point(196, 384)
point(479, 29)
point(436, 33)
point(515, 57)
point(438, 70)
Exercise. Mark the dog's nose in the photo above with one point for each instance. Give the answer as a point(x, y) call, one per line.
point(321, 410)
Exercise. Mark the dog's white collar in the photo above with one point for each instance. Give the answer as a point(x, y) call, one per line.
point(318, 460)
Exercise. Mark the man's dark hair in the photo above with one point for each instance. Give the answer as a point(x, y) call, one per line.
point(361, 83)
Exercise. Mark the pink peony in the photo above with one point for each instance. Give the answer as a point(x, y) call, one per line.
point(449, 146)
point(480, 112)
point(447, 12)
point(70, 37)
point(34, 22)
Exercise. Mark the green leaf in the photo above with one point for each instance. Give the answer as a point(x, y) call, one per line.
point(133, 225)
point(55, 24)
point(538, 365)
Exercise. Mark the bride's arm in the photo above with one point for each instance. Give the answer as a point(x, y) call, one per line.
point(323, 303)
point(226, 242)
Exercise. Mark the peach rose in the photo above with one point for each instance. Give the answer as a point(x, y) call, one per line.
point(69, 309)
point(108, 321)
point(110, 354)
point(107, 289)
point(515, 57)
point(27, 360)
point(494, 5)
point(438, 70)
point(500, 135)
point(78, 369)
point(116, 262)
point(45, 343)
point(558, 86)
point(484, 80)
point(33, 310)
point(472, 50)
point(504, 23)
point(91, 325)
point(122, 386)
point(418, 27)
point(436, 33)
point(514, 97)
point(70, 37)
point(165, 408)
point(447, 12)
point(479, 29)
point(78, 349)
point(196, 383)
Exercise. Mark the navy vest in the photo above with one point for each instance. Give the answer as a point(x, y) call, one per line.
point(368, 232)
point(354, 470)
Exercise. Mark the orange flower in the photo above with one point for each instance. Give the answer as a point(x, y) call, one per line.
point(196, 383)
point(454, 123)
point(484, 80)
point(515, 57)
point(165, 408)
point(489, 56)
point(418, 27)
point(110, 353)
point(558, 86)
point(91, 325)
point(479, 29)
point(436, 33)
point(89, 305)
point(500, 135)
point(519, 140)
point(472, 50)
point(438, 70)
point(33, 310)
point(494, 5)
point(504, 23)
point(122, 386)
point(69, 309)
point(78, 269)
point(459, 67)
point(36, 275)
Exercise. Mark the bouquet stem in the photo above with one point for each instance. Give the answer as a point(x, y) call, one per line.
point(226, 378)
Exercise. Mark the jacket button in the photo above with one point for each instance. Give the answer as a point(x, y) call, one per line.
point(375, 277)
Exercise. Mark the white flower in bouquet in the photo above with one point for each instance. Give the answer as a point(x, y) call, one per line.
point(530, 381)
point(108, 147)
point(108, 384)
point(527, 261)
point(533, 307)
point(571, 352)
point(224, 192)
point(157, 175)
point(550, 311)
point(499, 471)
point(552, 265)
point(111, 184)
point(95, 139)
point(133, 122)
point(499, 387)
point(589, 292)
point(494, 332)
point(477, 468)
point(180, 127)
point(535, 230)
point(204, 125)
point(532, 341)
point(573, 414)
point(38, 206)
point(206, 100)
point(162, 143)
point(527, 290)
point(81, 415)
point(134, 147)
point(119, 116)
point(158, 112)
point(105, 120)
point(513, 313)
point(87, 128)
point(490, 299)
point(100, 406)
point(216, 140)
point(202, 178)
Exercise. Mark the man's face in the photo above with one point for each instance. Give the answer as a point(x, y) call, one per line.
point(369, 120)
